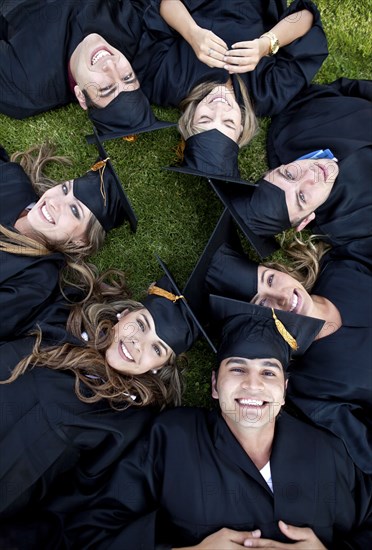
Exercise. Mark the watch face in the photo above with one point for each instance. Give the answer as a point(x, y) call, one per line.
point(274, 47)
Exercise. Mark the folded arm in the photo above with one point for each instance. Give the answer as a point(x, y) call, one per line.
point(208, 47)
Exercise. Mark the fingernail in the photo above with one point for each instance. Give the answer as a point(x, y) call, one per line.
point(284, 524)
point(256, 533)
point(248, 543)
point(225, 67)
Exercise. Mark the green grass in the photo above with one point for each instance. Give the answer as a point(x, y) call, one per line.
point(176, 212)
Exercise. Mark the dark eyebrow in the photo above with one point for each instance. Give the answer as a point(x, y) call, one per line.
point(108, 92)
point(149, 327)
point(146, 320)
point(236, 361)
point(163, 346)
point(271, 364)
point(263, 275)
point(69, 184)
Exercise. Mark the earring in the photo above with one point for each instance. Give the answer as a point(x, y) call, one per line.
point(154, 371)
point(118, 316)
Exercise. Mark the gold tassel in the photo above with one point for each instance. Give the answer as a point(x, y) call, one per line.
point(164, 293)
point(101, 166)
point(284, 332)
point(131, 139)
point(180, 150)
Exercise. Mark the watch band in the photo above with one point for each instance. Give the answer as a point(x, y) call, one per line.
point(274, 42)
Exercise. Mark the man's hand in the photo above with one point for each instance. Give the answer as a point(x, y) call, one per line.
point(305, 537)
point(225, 539)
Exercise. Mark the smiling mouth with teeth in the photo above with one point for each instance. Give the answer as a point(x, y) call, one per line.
point(46, 214)
point(125, 351)
point(294, 301)
point(99, 55)
point(220, 99)
point(251, 402)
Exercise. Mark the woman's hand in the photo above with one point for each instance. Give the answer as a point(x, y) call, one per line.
point(208, 47)
point(244, 56)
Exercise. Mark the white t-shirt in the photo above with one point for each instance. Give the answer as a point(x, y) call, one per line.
point(266, 474)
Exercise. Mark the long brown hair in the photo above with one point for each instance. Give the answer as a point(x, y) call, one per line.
point(34, 161)
point(188, 106)
point(94, 378)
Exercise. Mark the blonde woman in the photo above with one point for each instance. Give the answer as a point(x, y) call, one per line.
point(225, 63)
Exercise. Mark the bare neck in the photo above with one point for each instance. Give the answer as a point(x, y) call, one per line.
point(326, 310)
point(24, 227)
point(256, 442)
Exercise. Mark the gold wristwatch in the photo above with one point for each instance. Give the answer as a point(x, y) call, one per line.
point(274, 42)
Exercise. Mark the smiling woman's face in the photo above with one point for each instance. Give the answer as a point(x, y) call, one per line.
point(219, 111)
point(59, 216)
point(281, 291)
point(136, 348)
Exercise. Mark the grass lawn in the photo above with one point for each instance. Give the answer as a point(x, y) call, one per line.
point(177, 213)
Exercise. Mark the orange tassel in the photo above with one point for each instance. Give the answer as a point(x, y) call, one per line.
point(180, 150)
point(131, 139)
point(99, 164)
point(164, 293)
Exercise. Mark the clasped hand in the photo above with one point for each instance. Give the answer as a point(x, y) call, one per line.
point(212, 50)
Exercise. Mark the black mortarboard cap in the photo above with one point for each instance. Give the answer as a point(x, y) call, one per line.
point(222, 267)
point(175, 321)
point(266, 211)
point(211, 154)
point(129, 113)
point(101, 191)
point(252, 332)
point(237, 198)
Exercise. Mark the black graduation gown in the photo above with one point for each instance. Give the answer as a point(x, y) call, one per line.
point(195, 470)
point(332, 382)
point(27, 284)
point(338, 117)
point(172, 70)
point(37, 43)
point(47, 435)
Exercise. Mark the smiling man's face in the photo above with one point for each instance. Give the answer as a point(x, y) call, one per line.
point(101, 70)
point(307, 184)
point(250, 392)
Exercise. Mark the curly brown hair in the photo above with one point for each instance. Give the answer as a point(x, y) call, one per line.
point(95, 379)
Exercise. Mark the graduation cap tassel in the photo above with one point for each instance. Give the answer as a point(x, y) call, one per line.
point(180, 150)
point(164, 293)
point(131, 139)
point(101, 166)
point(284, 332)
